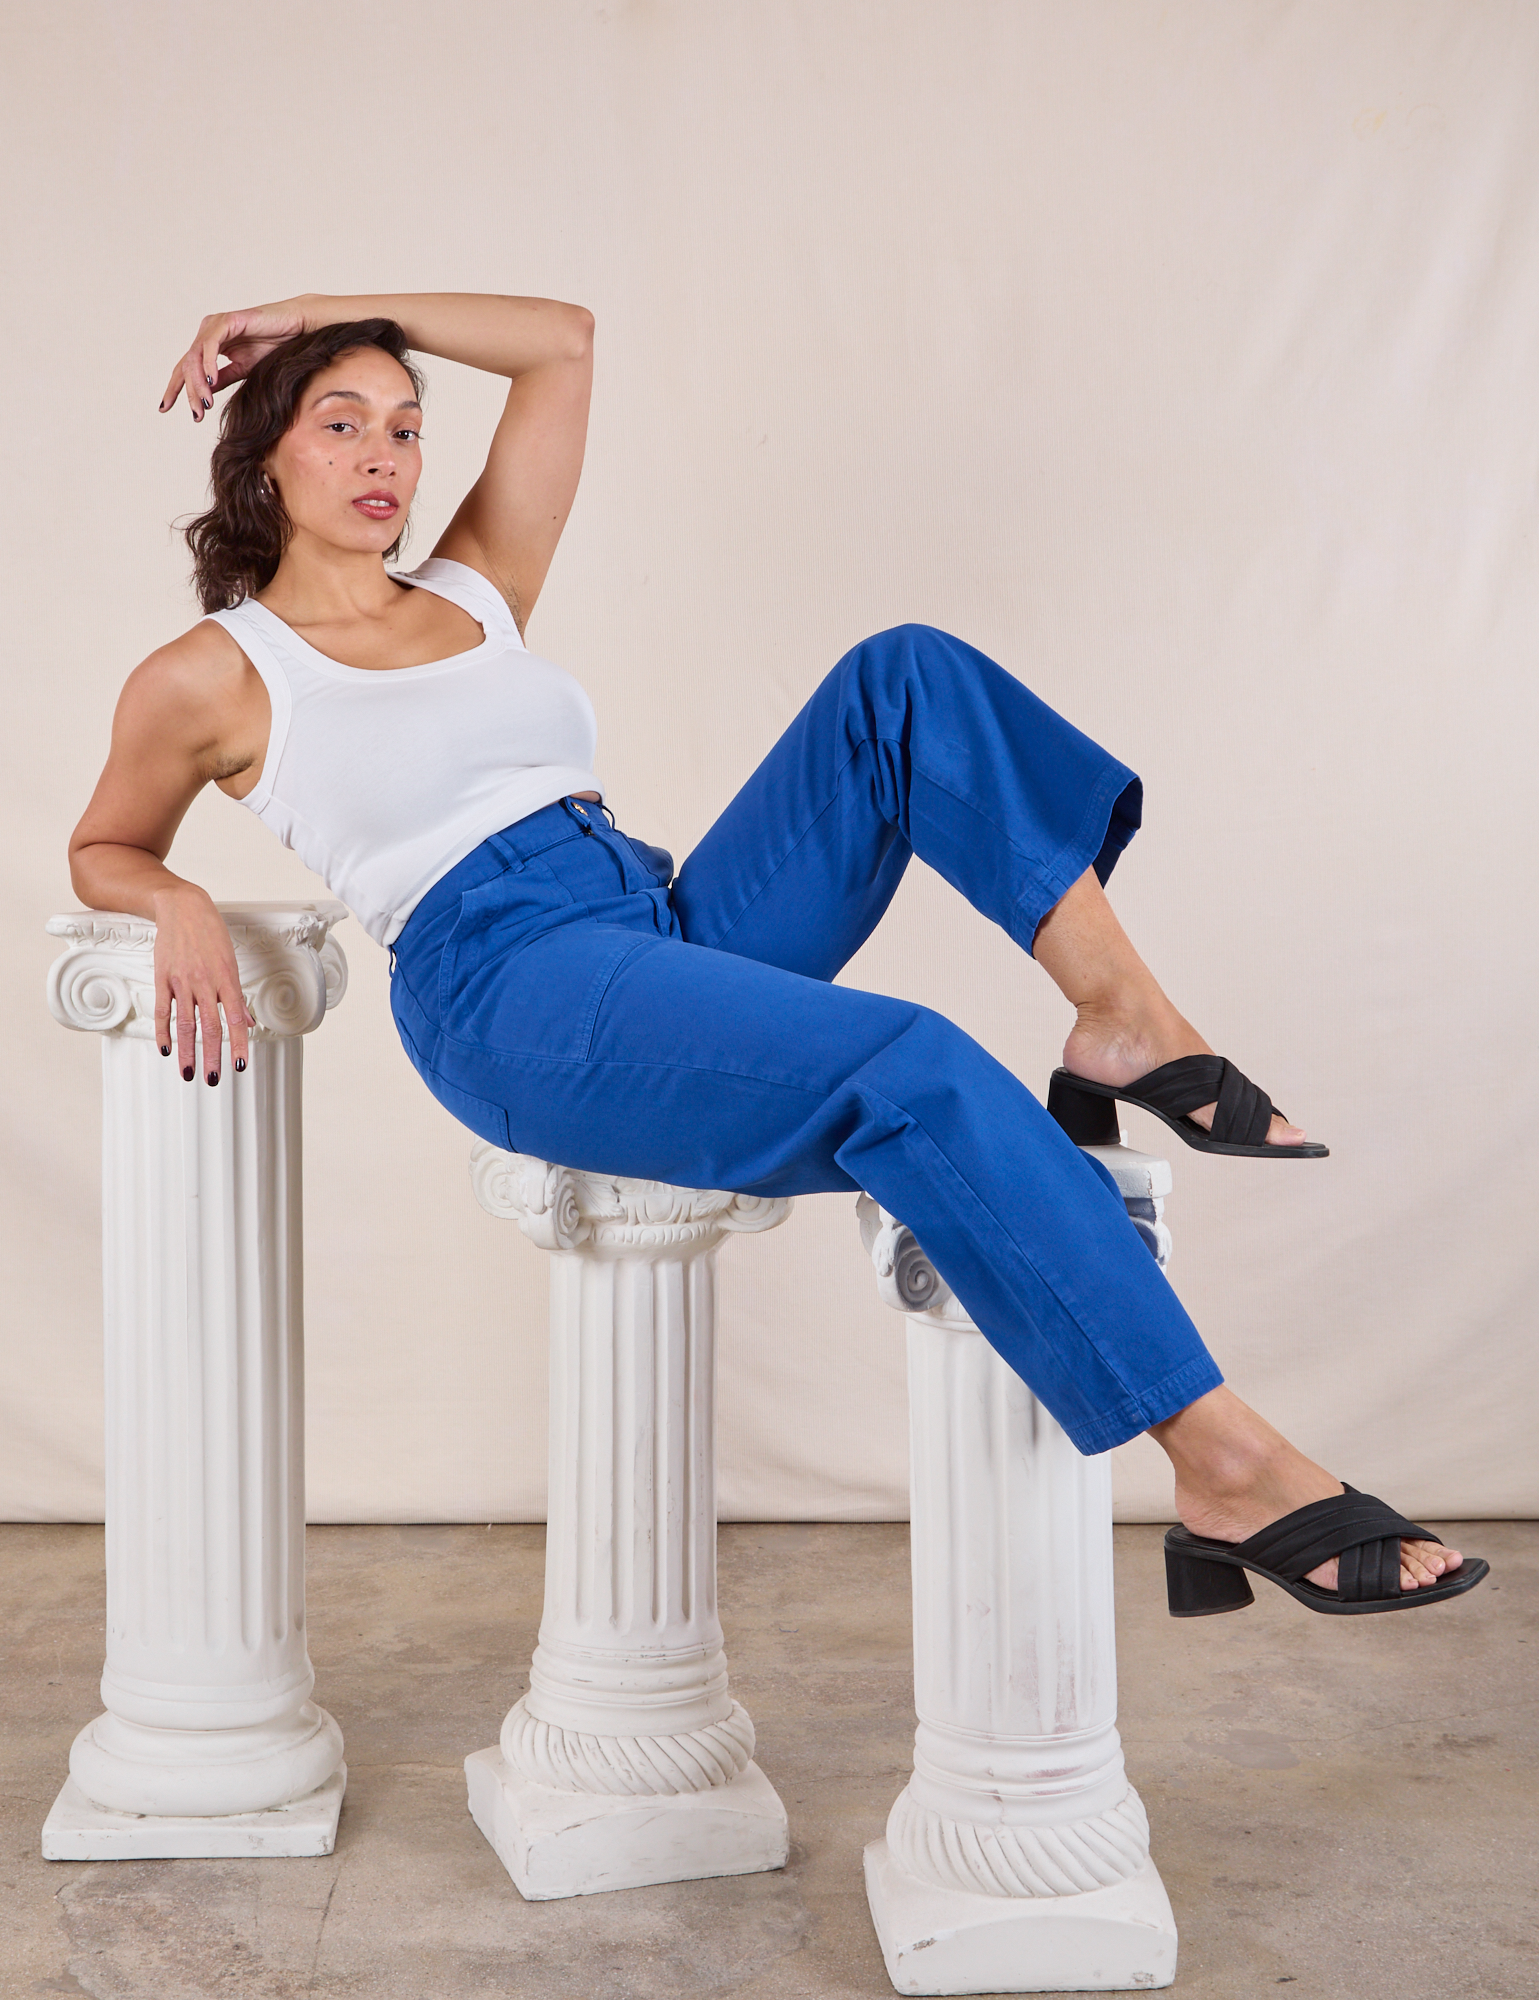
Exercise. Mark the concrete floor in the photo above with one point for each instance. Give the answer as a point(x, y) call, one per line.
point(1341, 1806)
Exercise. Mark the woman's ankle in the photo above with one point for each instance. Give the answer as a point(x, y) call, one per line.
point(1121, 1035)
point(1233, 1471)
point(1219, 1445)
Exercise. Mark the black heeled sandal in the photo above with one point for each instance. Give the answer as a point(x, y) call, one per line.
point(1088, 1111)
point(1203, 1577)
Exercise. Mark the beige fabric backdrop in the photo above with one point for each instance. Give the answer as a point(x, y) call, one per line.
point(1179, 355)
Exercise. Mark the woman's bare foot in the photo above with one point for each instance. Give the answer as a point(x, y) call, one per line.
point(1125, 1026)
point(1118, 1043)
point(1236, 1475)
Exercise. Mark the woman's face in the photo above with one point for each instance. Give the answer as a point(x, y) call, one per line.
point(348, 466)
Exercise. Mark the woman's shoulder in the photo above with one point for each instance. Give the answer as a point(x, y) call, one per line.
point(198, 662)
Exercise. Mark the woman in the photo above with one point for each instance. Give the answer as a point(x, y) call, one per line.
point(562, 993)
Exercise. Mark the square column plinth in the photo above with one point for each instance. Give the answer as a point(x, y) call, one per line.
point(556, 1843)
point(935, 1940)
point(76, 1830)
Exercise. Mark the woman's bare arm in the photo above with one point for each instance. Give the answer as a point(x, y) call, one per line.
point(509, 523)
point(170, 736)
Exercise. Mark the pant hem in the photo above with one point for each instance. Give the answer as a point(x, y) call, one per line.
point(1153, 1406)
point(1086, 850)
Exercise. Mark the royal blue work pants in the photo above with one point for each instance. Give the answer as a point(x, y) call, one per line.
point(563, 996)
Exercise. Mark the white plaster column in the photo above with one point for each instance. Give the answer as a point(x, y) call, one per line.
point(628, 1761)
point(1016, 1859)
point(210, 1744)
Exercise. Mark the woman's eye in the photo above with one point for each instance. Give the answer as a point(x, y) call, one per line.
point(415, 436)
point(341, 424)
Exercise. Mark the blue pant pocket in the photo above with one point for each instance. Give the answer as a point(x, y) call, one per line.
point(601, 985)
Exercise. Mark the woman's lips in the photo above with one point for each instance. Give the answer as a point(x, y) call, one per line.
point(378, 506)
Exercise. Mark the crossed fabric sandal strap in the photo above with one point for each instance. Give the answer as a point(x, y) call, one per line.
point(1203, 1576)
point(1087, 1111)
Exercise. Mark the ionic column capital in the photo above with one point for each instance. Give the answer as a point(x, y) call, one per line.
point(565, 1209)
point(291, 968)
point(906, 1280)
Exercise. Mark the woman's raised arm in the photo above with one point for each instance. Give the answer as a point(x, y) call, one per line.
point(509, 523)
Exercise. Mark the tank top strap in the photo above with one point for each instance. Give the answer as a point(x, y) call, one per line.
point(255, 630)
point(471, 591)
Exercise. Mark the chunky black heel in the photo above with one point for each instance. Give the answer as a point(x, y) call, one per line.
point(1197, 1589)
point(1089, 1118)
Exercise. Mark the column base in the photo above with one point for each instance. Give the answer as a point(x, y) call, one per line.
point(946, 1941)
point(77, 1830)
point(579, 1843)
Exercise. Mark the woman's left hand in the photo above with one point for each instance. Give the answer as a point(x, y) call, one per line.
point(242, 338)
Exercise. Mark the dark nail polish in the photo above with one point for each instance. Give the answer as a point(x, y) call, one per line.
point(213, 1076)
point(165, 1048)
point(207, 404)
point(240, 1062)
point(187, 1074)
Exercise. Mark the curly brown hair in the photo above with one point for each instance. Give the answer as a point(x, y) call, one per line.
point(237, 545)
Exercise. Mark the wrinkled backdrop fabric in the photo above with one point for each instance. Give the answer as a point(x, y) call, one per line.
point(1181, 356)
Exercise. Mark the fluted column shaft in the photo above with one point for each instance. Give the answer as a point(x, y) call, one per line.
point(1018, 1786)
point(207, 1680)
point(630, 1639)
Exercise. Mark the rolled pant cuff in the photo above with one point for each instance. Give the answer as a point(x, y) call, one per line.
point(1137, 1413)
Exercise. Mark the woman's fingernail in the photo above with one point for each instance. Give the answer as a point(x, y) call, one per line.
point(187, 1074)
point(240, 1062)
point(213, 1076)
point(165, 1048)
point(207, 404)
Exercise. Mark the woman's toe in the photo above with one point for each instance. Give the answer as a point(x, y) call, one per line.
point(1282, 1133)
point(1422, 1563)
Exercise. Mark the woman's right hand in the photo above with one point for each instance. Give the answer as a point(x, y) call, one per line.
point(243, 338)
point(196, 974)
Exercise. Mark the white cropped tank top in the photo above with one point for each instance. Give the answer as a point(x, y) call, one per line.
point(382, 780)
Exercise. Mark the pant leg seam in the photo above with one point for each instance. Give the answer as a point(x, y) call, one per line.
point(482, 1053)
